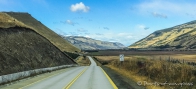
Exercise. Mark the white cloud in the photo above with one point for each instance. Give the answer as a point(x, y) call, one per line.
point(124, 38)
point(82, 30)
point(79, 7)
point(73, 34)
point(169, 7)
point(69, 22)
point(155, 14)
point(141, 27)
point(87, 36)
point(99, 34)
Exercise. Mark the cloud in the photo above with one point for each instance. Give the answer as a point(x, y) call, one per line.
point(124, 38)
point(69, 22)
point(155, 14)
point(106, 28)
point(141, 27)
point(79, 7)
point(73, 34)
point(82, 30)
point(86, 33)
point(98, 34)
point(146, 28)
point(171, 7)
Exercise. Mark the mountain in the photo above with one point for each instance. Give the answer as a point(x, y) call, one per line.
point(26, 44)
point(178, 37)
point(26, 20)
point(85, 43)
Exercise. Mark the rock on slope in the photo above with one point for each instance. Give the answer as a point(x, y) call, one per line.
point(178, 37)
point(85, 43)
point(22, 48)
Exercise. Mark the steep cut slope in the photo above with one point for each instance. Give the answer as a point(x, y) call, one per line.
point(85, 43)
point(178, 37)
point(23, 49)
point(12, 19)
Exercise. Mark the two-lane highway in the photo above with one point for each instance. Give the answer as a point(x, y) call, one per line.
point(83, 77)
point(93, 78)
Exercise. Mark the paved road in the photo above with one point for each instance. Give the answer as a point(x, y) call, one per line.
point(84, 77)
point(92, 78)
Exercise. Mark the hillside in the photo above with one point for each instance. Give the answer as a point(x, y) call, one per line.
point(178, 37)
point(11, 19)
point(25, 48)
point(85, 43)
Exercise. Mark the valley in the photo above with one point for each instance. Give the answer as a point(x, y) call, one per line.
point(32, 56)
point(85, 43)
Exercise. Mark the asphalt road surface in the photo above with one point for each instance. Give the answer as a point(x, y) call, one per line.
point(83, 77)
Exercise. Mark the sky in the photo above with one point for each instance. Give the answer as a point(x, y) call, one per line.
point(124, 21)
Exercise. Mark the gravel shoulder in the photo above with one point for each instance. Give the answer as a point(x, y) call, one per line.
point(121, 82)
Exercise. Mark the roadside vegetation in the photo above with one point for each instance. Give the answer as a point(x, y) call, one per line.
point(154, 70)
point(83, 61)
point(72, 55)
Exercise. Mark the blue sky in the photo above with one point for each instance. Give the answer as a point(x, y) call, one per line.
point(124, 21)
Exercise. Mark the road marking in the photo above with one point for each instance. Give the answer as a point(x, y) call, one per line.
point(111, 82)
point(69, 84)
point(40, 80)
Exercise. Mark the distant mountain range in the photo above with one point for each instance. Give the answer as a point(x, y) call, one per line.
point(85, 43)
point(178, 37)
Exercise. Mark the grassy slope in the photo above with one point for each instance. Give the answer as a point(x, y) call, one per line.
point(10, 19)
point(23, 49)
point(180, 35)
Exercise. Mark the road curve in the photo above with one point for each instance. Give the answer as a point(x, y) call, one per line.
point(93, 78)
point(83, 77)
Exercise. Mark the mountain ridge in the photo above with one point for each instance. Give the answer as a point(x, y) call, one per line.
point(176, 37)
point(86, 43)
point(22, 19)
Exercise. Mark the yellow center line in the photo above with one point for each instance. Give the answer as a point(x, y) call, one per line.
point(111, 82)
point(69, 84)
point(40, 80)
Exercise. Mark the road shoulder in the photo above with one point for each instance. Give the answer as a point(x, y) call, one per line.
point(121, 81)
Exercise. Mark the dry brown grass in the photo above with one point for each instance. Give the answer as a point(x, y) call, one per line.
point(83, 61)
point(142, 69)
point(180, 57)
point(12, 19)
point(165, 37)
